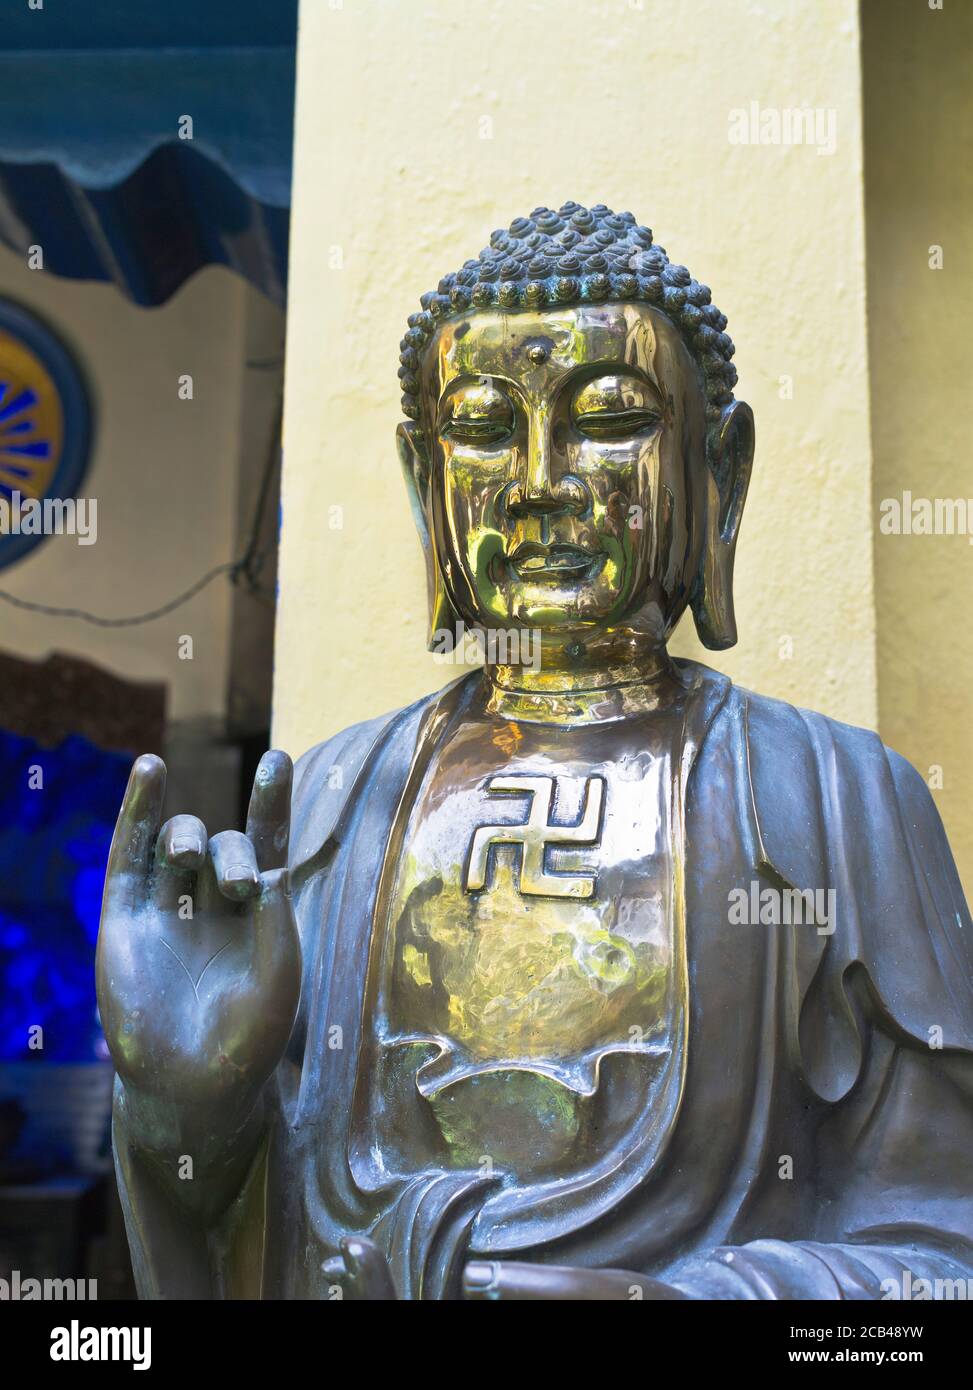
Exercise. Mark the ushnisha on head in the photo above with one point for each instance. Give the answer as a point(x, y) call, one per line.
point(576, 255)
point(575, 455)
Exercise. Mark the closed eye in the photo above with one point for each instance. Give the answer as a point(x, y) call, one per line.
point(616, 424)
point(476, 431)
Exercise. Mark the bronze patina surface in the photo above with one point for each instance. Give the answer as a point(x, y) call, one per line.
point(592, 976)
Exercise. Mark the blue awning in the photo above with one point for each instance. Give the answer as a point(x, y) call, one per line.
point(92, 166)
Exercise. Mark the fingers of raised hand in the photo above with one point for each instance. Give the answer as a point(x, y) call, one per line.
point(182, 844)
point(133, 844)
point(235, 866)
point(147, 865)
point(268, 819)
point(179, 852)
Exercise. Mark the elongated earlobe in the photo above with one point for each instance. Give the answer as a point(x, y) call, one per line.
point(415, 470)
point(728, 478)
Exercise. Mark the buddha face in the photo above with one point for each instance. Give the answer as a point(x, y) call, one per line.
point(566, 459)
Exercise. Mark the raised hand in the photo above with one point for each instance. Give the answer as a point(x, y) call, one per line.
point(198, 962)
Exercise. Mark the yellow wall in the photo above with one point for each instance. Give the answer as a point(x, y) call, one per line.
point(627, 104)
point(919, 193)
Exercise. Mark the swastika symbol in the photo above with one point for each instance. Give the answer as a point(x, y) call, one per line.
point(535, 834)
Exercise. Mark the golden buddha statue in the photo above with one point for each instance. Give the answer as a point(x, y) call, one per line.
point(500, 1028)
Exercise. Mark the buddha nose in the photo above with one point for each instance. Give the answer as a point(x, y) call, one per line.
point(538, 493)
point(567, 496)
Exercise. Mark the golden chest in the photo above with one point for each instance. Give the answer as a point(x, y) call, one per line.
point(532, 927)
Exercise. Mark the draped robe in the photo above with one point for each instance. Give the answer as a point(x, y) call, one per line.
point(818, 1143)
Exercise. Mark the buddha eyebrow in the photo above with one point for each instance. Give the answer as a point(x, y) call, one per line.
point(465, 382)
point(588, 373)
point(493, 402)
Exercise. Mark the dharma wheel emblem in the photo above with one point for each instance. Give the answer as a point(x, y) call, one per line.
point(45, 422)
point(535, 835)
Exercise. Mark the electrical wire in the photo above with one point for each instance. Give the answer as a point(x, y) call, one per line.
point(248, 567)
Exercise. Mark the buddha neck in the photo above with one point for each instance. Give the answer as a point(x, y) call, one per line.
point(585, 683)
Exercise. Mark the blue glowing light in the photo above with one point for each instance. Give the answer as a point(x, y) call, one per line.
point(54, 843)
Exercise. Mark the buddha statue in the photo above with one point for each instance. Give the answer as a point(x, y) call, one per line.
point(592, 975)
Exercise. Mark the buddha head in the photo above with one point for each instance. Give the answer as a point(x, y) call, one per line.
point(576, 459)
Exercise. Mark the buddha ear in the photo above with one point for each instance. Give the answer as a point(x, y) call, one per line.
point(415, 469)
point(411, 449)
point(727, 480)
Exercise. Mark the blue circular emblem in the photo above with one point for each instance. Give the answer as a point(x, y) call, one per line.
point(45, 428)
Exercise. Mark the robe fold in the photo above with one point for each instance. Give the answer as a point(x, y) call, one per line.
point(816, 1141)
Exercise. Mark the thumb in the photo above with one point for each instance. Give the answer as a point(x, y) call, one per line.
point(276, 944)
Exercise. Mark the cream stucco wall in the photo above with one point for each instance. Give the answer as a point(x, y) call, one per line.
point(163, 471)
point(420, 128)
